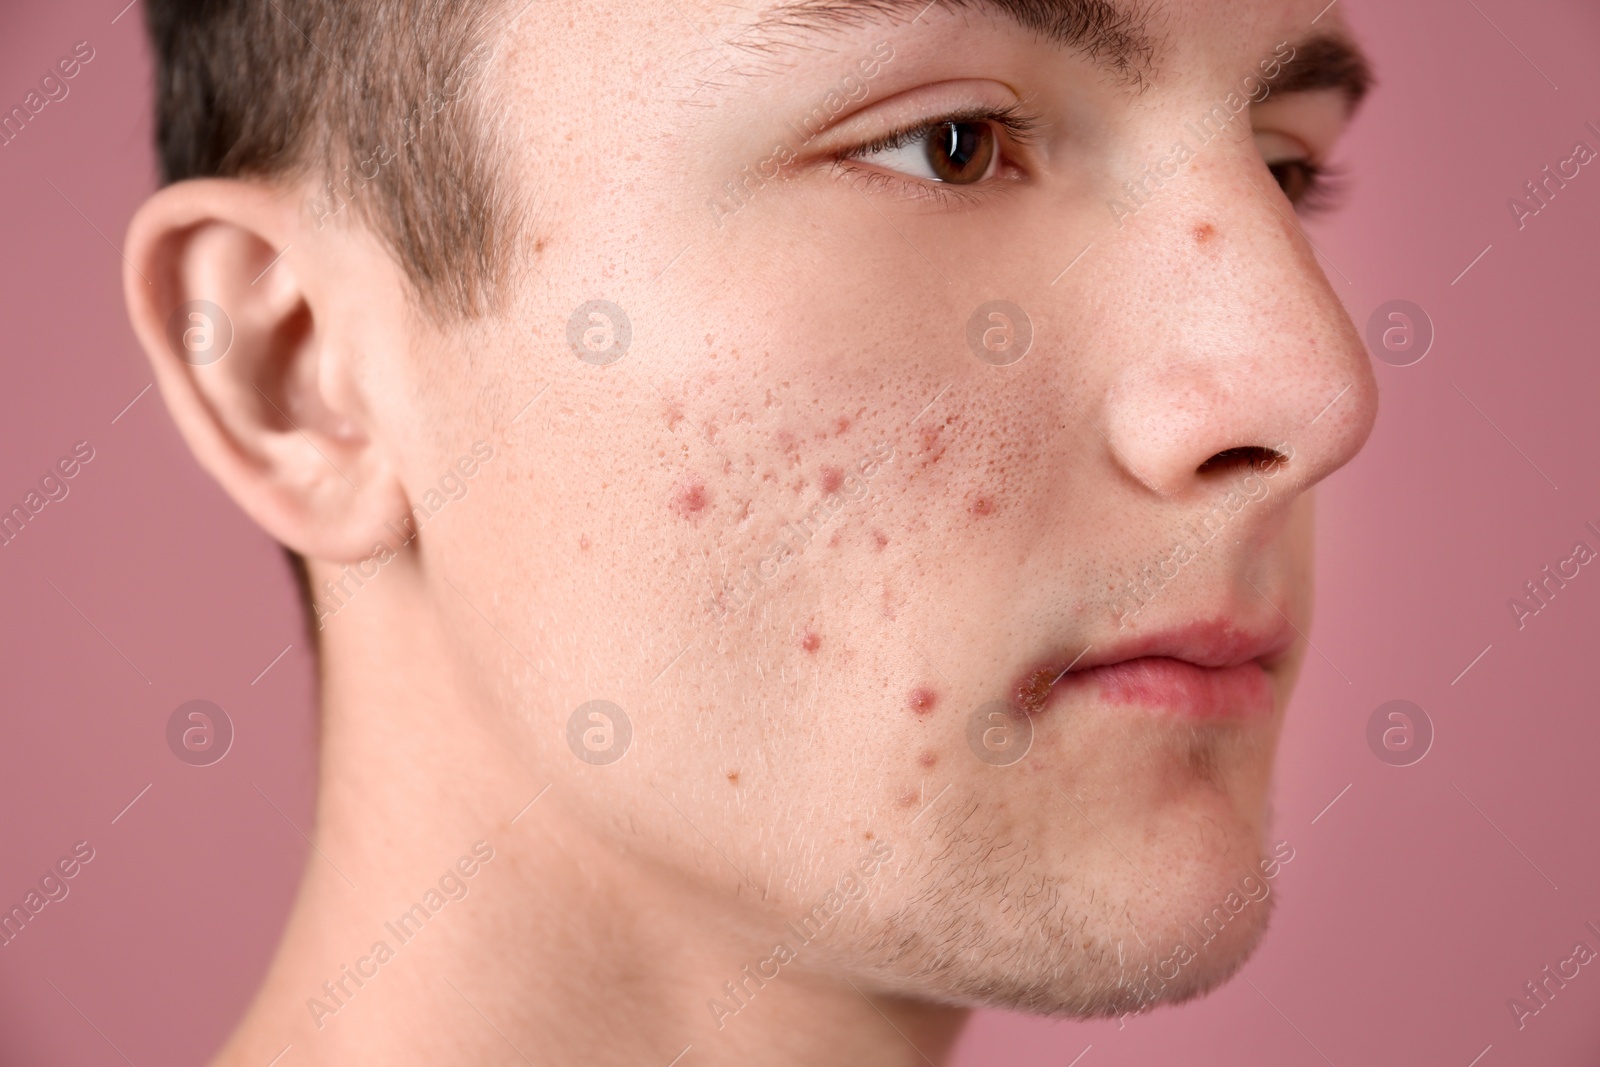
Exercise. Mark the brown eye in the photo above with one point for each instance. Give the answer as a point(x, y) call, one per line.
point(961, 152)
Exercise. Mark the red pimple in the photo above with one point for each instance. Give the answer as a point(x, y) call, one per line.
point(880, 538)
point(832, 479)
point(690, 500)
point(811, 642)
point(842, 425)
point(583, 542)
point(907, 799)
point(923, 700)
point(981, 506)
point(927, 759)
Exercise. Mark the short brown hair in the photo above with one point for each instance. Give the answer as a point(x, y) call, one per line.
point(368, 98)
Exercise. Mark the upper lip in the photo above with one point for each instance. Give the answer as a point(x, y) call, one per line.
point(1219, 642)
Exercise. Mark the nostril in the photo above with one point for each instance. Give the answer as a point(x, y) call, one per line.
point(1247, 456)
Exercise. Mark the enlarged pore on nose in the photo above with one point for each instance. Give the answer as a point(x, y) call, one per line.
point(1245, 456)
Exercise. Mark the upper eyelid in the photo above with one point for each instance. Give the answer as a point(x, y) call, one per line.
point(1309, 153)
point(1021, 127)
point(908, 109)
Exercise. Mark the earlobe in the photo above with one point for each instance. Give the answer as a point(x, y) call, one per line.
point(237, 330)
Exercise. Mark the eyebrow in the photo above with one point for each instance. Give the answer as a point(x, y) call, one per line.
point(1327, 61)
point(1114, 36)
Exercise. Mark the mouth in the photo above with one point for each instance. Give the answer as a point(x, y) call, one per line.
point(1203, 671)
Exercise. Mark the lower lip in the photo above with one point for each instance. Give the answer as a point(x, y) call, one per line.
point(1179, 689)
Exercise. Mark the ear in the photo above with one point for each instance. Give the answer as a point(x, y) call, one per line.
point(239, 339)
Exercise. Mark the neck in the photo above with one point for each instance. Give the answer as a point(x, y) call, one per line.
point(452, 909)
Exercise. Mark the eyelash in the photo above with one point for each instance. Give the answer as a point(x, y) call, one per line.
point(1018, 128)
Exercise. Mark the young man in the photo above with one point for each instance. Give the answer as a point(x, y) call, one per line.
point(804, 503)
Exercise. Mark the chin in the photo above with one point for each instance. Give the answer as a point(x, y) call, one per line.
point(1009, 915)
point(1051, 949)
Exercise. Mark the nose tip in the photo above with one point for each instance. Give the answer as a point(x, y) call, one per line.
point(1194, 425)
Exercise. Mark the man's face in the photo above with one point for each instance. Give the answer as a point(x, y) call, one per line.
point(829, 544)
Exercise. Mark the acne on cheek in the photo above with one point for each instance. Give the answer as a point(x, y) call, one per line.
point(811, 641)
point(689, 499)
point(922, 700)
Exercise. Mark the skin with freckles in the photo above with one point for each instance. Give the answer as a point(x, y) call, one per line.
point(801, 533)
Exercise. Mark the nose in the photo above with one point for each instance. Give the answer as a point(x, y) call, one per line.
point(1236, 347)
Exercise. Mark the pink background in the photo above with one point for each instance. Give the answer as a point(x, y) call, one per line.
point(1407, 918)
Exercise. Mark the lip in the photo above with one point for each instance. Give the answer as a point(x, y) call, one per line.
point(1205, 670)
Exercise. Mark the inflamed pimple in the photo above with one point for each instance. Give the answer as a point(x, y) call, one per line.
point(832, 479)
point(981, 506)
point(811, 642)
point(922, 700)
point(928, 759)
point(690, 499)
point(1204, 232)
